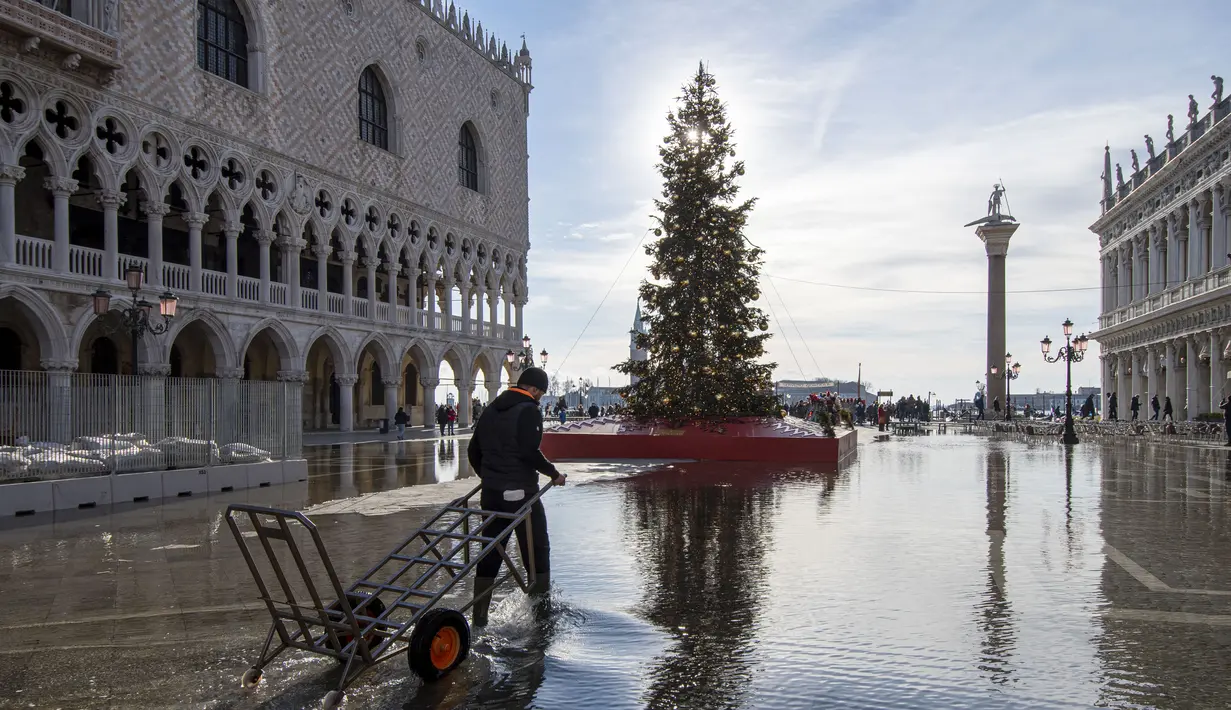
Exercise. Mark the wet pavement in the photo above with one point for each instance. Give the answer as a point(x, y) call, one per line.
point(945, 571)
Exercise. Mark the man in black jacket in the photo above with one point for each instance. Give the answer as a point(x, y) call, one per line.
point(504, 449)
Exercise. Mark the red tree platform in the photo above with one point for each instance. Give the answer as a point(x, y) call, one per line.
point(742, 440)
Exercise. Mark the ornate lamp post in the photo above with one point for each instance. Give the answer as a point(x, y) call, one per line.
point(525, 358)
point(1073, 351)
point(136, 319)
point(1009, 374)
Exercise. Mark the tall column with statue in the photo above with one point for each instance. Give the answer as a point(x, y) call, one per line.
point(995, 230)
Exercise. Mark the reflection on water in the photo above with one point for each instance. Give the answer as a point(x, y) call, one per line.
point(701, 533)
point(995, 617)
point(346, 470)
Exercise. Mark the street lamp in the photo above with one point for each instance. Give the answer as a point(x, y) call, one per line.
point(525, 359)
point(1073, 351)
point(1010, 373)
point(136, 318)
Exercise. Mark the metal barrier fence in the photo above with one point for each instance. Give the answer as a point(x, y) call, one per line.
point(59, 425)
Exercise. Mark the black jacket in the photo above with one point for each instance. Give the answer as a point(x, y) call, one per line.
point(504, 447)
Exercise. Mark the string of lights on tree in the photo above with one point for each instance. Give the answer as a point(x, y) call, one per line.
point(704, 333)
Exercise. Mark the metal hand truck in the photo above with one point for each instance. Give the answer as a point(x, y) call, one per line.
point(368, 622)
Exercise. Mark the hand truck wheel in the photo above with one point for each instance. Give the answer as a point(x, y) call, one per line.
point(374, 608)
point(333, 699)
point(439, 643)
point(251, 677)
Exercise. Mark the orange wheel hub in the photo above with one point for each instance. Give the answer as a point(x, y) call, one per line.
point(446, 644)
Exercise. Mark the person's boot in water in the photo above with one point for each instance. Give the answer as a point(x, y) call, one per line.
point(482, 600)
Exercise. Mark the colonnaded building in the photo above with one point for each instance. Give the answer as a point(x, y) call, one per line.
point(336, 190)
point(1166, 267)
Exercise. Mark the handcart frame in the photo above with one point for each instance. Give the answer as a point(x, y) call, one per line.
point(353, 624)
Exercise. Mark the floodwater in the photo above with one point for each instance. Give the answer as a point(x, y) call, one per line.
point(944, 571)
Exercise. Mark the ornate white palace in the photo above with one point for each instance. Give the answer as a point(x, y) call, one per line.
point(335, 190)
point(1166, 267)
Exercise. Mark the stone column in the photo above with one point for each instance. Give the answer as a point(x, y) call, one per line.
point(1181, 255)
point(521, 329)
point(1219, 240)
point(231, 229)
point(10, 175)
point(1217, 378)
point(1192, 396)
point(508, 313)
point(291, 249)
point(1151, 372)
point(196, 221)
point(346, 400)
point(154, 416)
point(1197, 226)
point(1124, 387)
point(478, 310)
point(293, 422)
point(1172, 382)
point(392, 271)
point(430, 383)
point(996, 243)
point(1164, 259)
point(60, 405)
point(431, 303)
point(466, 310)
point(1154, 242)
point(264, 238)
point(62, 189)
point(446, 315)
point(369, 263)
point(322, 252)
point(348, 281)
point(1141, 274)
point(493, 390)
point(393, 391)
point(154, 212)
point(227, 427)
point(493, 302)
point(1123, 280)
point(111, 201)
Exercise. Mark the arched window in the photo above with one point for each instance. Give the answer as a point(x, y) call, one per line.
point(222, 40)
point(10, 349)
point(373, 111)
point(377, 395)
point(104, 359)
point(467, 159)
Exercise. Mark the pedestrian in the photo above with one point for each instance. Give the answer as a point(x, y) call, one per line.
point(996, 406)
point(1225, 406)
point(1134, 406)
point(593, 411)
point(401, 419)
point(442, 418)
point(1112, 406)
point(505, 451)
point(451, 418)
point(563, 412)
point(1168, 413)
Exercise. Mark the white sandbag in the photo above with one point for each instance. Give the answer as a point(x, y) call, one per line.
point(58, 464)
point(95, 443)
point(136, 459)
point(243, 453)
point(46, 446)
point(134, 438)
point(188, 453)
point(13, 465)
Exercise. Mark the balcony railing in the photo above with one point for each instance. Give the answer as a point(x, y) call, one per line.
point(37, 254)
point(87, 30)
point(1158, 301)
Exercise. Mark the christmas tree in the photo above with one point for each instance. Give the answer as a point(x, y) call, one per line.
point(704, 333)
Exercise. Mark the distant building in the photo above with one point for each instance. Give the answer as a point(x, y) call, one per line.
point(1047, 400)
point(798, 389)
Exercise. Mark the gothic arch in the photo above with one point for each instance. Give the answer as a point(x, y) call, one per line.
point(422, 356)
point(216, 333)
point(382, 348)
point(460, 361)
point(255, 24)
point(337, 347)
point(282, 339)
point(45, 321)
point(391, 96)
point(480, 149)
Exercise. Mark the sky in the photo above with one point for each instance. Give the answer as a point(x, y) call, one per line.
point(872, 131)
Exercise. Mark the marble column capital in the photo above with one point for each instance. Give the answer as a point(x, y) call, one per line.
point(229, 373)
point(392, 268)
point(346, 380)
point(154, 369)
point(299, 376)
point(111, 199)
point(369, 263)
point(347, 258)
point(155, 209)
point(429, 381)
point(391, 381)
point(195, 219)
point(59, 366)
point(60, 187)
point(322, 251)
point(11, 174)
point(265, 237)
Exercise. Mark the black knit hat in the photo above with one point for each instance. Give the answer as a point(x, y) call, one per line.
point(535, 377)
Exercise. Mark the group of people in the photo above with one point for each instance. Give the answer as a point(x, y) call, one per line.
point(446, 419)
point(1134, 406)
point(562, 411)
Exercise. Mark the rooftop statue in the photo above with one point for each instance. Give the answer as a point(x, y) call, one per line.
point(1170, 130)
point(1136, 163)
point(994, 215)
point(1150, 146)
point(1119, 176)
point(1193, 110)
point(1217, 95)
